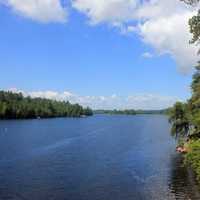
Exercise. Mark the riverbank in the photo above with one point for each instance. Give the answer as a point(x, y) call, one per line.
point(192, 156)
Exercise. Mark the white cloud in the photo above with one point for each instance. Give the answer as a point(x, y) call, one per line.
point(113, 11)
point(131, 29)
point(170, 35)
point(147, 55)
point(136, 101)
point(40, 10)
point(163, 24)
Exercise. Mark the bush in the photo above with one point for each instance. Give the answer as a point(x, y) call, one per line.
point(193, 156)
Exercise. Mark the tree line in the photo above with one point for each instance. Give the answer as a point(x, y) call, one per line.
point(116, 112)
point(130, 112)
point(16, 106)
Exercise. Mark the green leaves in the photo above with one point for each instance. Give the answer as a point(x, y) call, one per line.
point(194, 24)
point(190, 2)
point(193, 156)
point(185, 118)
point(180, 120)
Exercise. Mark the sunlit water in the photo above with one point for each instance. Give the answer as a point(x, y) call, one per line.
point(97, 158)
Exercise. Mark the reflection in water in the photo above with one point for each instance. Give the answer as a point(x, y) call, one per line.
point(98, 158)
point(182, 183)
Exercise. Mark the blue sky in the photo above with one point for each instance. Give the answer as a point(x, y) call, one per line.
point(92, 59)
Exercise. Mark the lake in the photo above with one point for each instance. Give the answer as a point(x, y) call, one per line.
point(96, 158)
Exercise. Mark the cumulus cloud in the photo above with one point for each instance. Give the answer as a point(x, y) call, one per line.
point(136, 101)
point(40, 10)
point(163, 24)
point(170, 35)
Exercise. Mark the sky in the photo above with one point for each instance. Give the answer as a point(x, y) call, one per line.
point(103, 54)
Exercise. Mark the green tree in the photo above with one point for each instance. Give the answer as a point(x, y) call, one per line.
point(191, 2)
point(194, 102)
point(194, 23)
point(180, 120)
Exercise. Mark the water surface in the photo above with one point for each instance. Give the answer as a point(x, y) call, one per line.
point(96, 158)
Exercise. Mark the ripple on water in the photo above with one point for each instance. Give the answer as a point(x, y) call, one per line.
point(98, 158)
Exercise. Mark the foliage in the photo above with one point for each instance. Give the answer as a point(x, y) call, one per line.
point(193, 156)
point(116, 112)
point(194, 24)
point(15, 106)
point(191, 2)
point(194, 102)
point(179, 117)
point(153, 112)
point(130, 112)
point(185, 118)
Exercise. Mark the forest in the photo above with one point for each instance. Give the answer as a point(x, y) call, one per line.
point(130, 112)
point(16, 106)
point(116, 112)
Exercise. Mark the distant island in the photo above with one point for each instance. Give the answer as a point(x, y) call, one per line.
point(131, 112)
point(16, 106)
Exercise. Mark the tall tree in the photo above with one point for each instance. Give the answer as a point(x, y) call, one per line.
point(179, 117)
point(194, 102)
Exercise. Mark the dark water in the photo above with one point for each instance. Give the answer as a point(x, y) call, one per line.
point(97, 158)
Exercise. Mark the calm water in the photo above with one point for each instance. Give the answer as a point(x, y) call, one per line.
point(97, 158)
